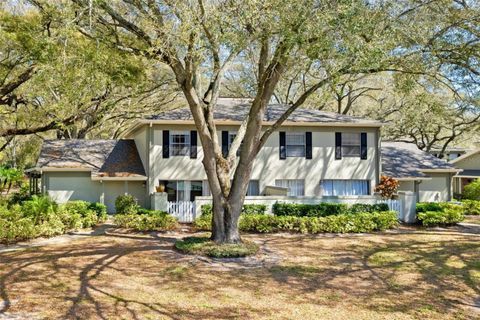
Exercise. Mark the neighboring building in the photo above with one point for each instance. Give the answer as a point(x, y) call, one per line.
point(418, 171)
point(314, 154)
point(450, 153)
point(470, 164)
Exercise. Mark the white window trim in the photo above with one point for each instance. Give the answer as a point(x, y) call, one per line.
point(187, 144)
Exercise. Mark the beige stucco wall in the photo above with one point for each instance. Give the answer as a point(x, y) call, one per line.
point(406, 186)
point(268, 167)
point(141, 142)
point(435, 189)
point(470, 163)
point(69, 186)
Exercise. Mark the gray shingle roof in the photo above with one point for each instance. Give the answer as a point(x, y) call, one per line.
point(106, 158)
point(405, 160)
point(237, 109)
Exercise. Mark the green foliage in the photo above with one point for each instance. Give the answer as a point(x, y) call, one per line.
point(42, 217)
point(472, 190)
point(126, 204)
point(21, 195)
point(471, 207)
point(309, 210)
point(342, 223)
point(246, 209)
point(428, 206)
point(204, 246)
point(437, 214)
point(154, 220)
point(361, 207)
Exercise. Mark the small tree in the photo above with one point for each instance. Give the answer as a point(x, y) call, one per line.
point(472, 190)
point(387, 187)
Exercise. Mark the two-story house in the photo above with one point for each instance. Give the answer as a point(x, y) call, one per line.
point(313, 154)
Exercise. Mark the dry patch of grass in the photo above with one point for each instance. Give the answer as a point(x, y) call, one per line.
point(472, 219)
point(415, 275)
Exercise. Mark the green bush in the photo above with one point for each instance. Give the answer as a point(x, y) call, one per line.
point(472, 190)
point(246, 209)
point(446, 217)
point(204, 246)
point(126, 204)
point(362, 207)
point(42, 217)
point(471, 207)
point(154, 220)
point(428, 206)
point(309, 210)
point(342, 223)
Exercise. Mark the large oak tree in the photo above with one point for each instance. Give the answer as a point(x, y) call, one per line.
point(202, 40)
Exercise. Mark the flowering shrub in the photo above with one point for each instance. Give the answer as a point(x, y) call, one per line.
point(387, 187)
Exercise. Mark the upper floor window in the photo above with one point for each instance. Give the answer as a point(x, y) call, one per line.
point(350, 144)
point(179, 143)
point(295, 187)
point(295, 144)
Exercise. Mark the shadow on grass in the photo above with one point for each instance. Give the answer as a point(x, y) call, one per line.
point(361, 270)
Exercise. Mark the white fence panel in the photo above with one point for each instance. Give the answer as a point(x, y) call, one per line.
point(184, 211)
point(393, 205)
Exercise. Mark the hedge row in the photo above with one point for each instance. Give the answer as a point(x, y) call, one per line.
point(439, 213)
point(324, 209)
point(146, 221)
point(360, 222)
point(42, 217)
point(246, 209)
point(471, 207)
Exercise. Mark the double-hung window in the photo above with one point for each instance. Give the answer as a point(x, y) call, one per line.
point(345, 187)
point(295, 144)
point(252, 190)
point(351, 144)
point(295, 187)
point(179, 143)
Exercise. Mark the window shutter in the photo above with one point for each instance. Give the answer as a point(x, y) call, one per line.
point(308, 145)
point(166, 144)
point(193, 144)
point(338, 145)
point(283, 145)
point(225, 143)
point(363, 145)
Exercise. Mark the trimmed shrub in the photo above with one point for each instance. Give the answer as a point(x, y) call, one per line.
point(154, 220)
point(471, 207)
point(472, 190)
point(309, 210)
point(41, 216)
point(428, 206)
point(363, 207)
point(342, 223)
point(246, 209)
point(204, 246)
point(441, 218)
point(126, 204)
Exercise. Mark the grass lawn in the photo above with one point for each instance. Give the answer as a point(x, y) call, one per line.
point(406, 274)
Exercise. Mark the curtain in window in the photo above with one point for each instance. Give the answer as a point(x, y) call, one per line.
point(295, 187)
point(351, 144)
point(295, 143)
point(345, 187)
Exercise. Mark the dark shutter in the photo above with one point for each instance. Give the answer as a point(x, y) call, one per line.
point(166, 144)
point(308, 145)
point(225, 143)
point(193, 144)
point(283, 145)
point(338, 145)
point(363, 145)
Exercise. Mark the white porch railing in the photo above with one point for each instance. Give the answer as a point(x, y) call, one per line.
point(184, 211)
